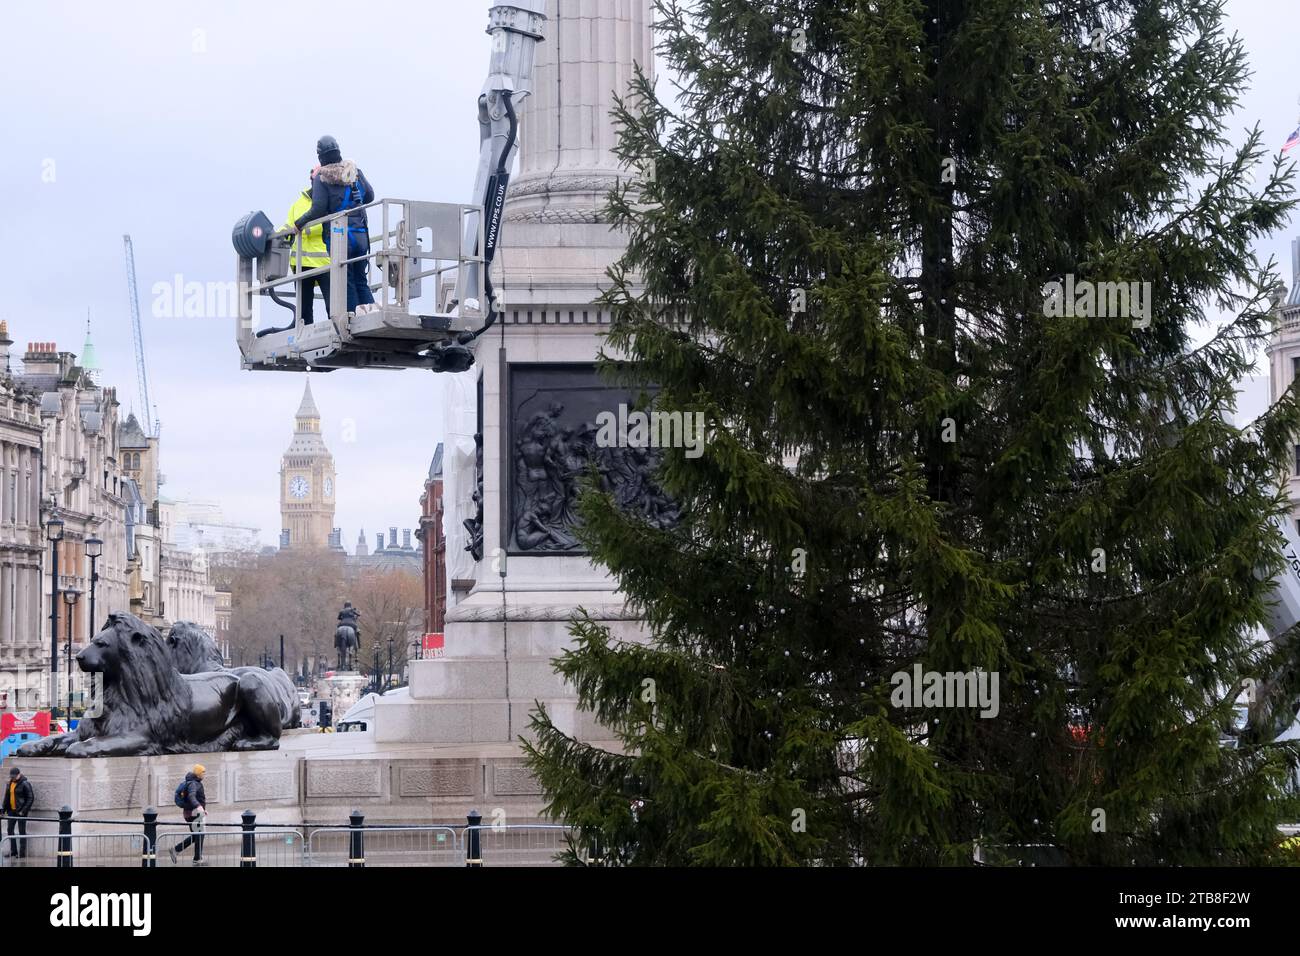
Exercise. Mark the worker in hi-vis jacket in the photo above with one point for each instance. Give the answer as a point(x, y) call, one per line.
point(314, 253)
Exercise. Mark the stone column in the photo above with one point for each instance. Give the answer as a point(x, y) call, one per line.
point(8, 602)
point(22, 514)
point(566, 158)
point(20, 601)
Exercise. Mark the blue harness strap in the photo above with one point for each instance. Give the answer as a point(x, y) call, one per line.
point(353, 195)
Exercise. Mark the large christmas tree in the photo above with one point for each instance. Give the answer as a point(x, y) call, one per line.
point(965, 289)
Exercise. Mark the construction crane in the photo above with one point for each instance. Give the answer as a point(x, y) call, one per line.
point(451, 245)
point(152, 426)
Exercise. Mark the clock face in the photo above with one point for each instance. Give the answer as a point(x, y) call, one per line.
point(329, 487)
point(299, 487)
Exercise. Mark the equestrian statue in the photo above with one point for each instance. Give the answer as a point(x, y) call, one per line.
point(347, 636)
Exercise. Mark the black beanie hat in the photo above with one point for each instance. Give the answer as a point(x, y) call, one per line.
point(327, 150)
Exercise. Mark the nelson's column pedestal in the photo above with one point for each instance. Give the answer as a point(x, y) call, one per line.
point(519, 424)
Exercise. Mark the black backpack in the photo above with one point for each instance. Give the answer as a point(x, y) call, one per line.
point(182, 794)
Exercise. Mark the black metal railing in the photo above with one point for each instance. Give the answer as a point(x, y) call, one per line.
point(355, 845)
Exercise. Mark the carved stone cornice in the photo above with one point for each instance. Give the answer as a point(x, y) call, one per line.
point(539, 612)
point(561, 215)
point(560, 184)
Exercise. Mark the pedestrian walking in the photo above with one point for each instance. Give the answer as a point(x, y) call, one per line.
point(191, 799)
point(16, 804)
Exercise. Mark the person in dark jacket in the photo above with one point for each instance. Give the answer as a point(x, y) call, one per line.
point(339, 185)
point(196, 811)
point(16, 804)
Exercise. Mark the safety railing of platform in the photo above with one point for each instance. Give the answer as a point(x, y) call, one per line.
point(403, 225)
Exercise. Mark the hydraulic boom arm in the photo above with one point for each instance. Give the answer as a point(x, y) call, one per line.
point(516, 29)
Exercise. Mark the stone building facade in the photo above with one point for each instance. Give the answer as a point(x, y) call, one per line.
point(434, 543)
point(82, 484)
point(224, 599)
point(24, 645)
point(65, 454)
point(144, 538)
point(187, 594)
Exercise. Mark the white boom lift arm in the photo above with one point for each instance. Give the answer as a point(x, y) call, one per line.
point(516, 29)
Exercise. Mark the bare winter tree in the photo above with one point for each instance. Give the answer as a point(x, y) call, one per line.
point(391, 605)
point(294, 593)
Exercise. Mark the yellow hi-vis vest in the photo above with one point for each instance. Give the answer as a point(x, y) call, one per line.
point(314, 253)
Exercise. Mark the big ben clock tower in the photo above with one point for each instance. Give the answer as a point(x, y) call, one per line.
point(307, 481)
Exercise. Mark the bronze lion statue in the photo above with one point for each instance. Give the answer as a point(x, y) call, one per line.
point(194, 652)
point(150, 708)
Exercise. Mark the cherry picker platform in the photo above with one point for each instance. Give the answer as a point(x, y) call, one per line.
point(424, 305)
point(429, 264)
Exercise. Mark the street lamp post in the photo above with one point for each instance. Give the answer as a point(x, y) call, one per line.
point(70, 596)
point(94, 548)
point(54, 532)
point(400, 628)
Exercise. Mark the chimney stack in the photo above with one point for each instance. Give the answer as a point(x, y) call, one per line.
point(379, 543)
point(392, 538)
point(42, 358)
point(406, 540)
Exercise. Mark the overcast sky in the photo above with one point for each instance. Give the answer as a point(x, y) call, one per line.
point(169, 120)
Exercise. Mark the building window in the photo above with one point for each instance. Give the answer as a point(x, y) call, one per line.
point(1297, 459)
